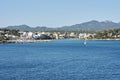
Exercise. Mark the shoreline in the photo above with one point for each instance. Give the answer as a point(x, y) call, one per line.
point(33, 41)
point(99, 39)
point(24, 41)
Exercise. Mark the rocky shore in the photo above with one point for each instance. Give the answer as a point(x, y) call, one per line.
point(24, 41)
point(100, 39)
point(31, 41)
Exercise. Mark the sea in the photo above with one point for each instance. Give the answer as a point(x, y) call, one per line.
point(61, 60)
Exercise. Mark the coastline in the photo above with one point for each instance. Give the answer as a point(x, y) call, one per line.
point(93, 39)
point(102, 39)
point(24, 41)
point(33, 41)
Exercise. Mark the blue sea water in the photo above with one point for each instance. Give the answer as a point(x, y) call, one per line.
point(60, 60)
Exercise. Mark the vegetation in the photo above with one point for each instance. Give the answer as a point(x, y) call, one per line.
point(9, 32)
point(3, 38)
point(111, 34)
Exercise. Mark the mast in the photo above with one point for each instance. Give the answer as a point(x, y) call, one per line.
point(85, 38)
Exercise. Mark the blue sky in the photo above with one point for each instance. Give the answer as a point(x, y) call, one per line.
point(57, 13)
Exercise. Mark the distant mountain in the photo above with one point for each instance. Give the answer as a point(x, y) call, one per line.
point(87, 26)
point(28, 28)
point(93, 25)
point(20, 27)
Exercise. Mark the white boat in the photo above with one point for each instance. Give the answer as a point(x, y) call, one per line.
point(85, 42)
point(85, 37)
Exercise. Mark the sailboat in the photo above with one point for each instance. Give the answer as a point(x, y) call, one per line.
point(85, 42)
point(85, 38)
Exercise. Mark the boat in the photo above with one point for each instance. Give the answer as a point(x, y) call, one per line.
point(85, 39)
point(85, 42)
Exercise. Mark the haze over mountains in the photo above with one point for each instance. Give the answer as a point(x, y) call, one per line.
point(86, 26)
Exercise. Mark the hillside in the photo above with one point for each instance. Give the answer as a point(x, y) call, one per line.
point(86, 26)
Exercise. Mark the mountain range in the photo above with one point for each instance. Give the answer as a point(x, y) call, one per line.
point(86, 26)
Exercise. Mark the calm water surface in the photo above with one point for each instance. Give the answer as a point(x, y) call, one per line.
point(60, 60)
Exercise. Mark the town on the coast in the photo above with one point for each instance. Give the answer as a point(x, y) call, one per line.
point(17, 36)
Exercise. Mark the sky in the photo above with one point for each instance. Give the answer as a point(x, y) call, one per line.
point(57, 13)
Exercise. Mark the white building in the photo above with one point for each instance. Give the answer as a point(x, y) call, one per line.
point(29, 35)
point(82, 35)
